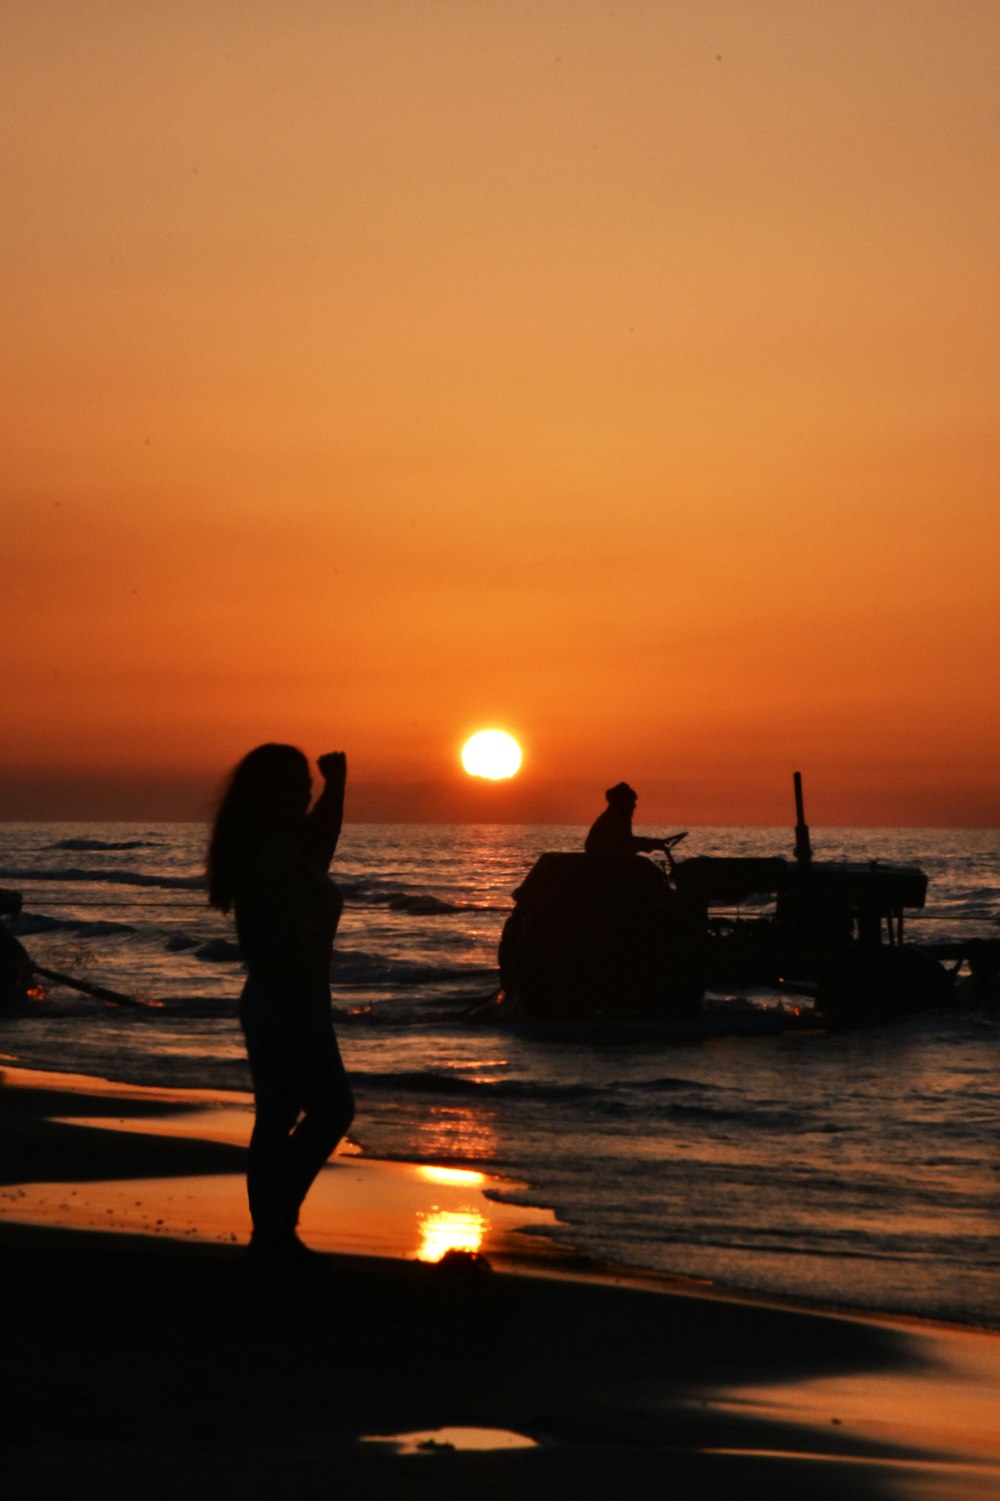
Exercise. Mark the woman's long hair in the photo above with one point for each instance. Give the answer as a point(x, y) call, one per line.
point(249, 806)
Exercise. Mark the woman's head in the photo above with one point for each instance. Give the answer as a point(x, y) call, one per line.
point(270, 788)
point(272, 783)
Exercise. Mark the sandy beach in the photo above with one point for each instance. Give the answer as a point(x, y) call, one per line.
point(145, 1356)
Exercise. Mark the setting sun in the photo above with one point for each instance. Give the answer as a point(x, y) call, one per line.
point(492, 754)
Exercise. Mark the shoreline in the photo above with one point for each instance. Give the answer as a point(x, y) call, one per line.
point(216, 1125)
point(142, 1159)
point(160, 1348)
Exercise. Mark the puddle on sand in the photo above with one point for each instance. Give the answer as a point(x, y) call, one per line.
point(438, 1440)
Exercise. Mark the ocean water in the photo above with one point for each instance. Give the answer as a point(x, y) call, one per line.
point(856, 1169)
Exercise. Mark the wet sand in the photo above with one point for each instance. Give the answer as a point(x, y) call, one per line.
point(143, 1354)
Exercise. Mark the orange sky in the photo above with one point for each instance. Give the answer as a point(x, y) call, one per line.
point(625, 377)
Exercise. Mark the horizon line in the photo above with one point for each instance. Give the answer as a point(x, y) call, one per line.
point(429, 823)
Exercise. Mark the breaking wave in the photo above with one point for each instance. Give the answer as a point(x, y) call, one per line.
point(106, 844)
point(107, 877)
point(36, 922)
point(354, 968)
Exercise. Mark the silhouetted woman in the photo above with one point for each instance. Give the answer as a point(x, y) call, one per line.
point(268, 860)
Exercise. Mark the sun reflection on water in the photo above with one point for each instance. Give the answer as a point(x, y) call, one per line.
point(457, 1177)
point(462, 1228)
point(444, 1230)
point(458, 1131)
